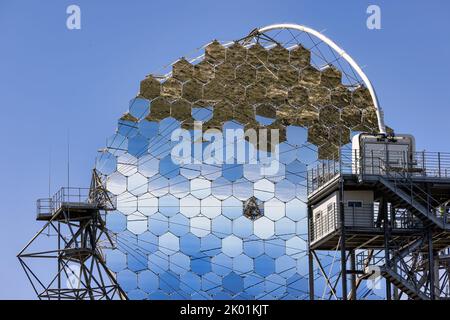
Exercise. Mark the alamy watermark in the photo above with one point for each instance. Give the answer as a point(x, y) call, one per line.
point(73, 272)
point(232, 146)
point(374, 280)
point(73, 21)
point(373, 22)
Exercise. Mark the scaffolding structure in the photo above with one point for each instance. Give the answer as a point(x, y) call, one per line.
point(74, 217)
point(403, 236)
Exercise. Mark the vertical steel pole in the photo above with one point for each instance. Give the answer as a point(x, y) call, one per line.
point(307, 181)
point(343, 248)
point(343, 259)
point(439, 164)
point(386, 244)
point(353, 267)
point(310, 255)
point(311, 274)
point(423, 163)
point(342, 217)
point(59, 260)
point(431, 269)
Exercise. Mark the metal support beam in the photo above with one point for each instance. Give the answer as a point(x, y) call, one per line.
point(324, 274)
point(431, 268)
point(406, 229)
point(310, 256)
point(384, 212)
point(78, 224)
point(311, 274)
point(342, 242)
point(59, 262)
point(353, 294)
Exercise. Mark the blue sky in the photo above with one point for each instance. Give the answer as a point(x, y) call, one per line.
point(54, 81)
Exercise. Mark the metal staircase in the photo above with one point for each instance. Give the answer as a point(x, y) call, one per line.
point(413, 201)
point(404, 241)
point(403, 192)
point(402, 284)
point(398, 272)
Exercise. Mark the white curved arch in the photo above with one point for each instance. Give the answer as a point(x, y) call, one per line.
point(343, 54)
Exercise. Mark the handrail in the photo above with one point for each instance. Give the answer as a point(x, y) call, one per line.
point(405, 180)
point(327, 221)
point(49, 206)
point(403, 268)
point(417, 164)
point(397, 167)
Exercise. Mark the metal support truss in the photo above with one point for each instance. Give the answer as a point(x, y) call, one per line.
point(405, 242)
point(69, 247)
point(412, 267)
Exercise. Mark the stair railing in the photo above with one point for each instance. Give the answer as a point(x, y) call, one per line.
point(402, 180)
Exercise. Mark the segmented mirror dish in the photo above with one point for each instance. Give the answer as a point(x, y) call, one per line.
point(228, 231)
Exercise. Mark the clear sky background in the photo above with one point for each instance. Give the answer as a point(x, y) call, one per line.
point(54, 80)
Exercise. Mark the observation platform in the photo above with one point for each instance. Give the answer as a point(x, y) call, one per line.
point(78, 255)
point(67, 204)
point(417, 193)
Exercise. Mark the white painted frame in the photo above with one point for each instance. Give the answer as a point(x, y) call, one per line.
point(344, 55)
